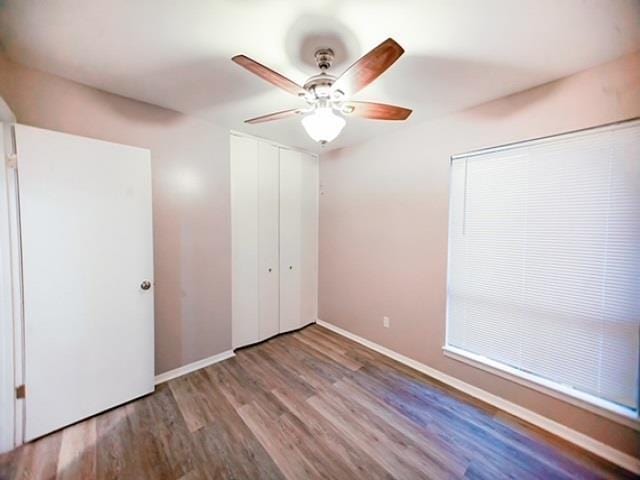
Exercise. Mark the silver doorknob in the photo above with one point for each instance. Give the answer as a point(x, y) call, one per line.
point(146, 285)
point(290, 267)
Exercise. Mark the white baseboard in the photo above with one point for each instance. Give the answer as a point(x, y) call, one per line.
point(590, 444)
point(192, 367)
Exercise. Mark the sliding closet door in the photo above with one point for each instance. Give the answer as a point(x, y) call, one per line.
point(244, 239)
point(87, 257)
point(268, 240)
point(290, 239)
point(309, 239)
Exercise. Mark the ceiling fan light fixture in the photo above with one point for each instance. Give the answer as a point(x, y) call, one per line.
point(328, 96)
point(323, 125)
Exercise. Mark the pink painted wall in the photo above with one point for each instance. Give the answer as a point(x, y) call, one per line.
point(190, 174)
point(383, 224)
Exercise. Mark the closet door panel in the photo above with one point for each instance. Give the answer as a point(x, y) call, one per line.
point(290, 239)
point(268, 240)
point(244, 240)
point(309, 239)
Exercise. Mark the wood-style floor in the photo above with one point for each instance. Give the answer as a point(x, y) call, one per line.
point(305, 405)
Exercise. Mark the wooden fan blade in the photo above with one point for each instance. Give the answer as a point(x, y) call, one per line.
point(269, 75)
point(368, 68)
point(274, 116)
point(375, 111)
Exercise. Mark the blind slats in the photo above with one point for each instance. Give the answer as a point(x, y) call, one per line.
point(544, 262)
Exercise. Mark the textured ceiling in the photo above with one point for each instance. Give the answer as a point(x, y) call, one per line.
point(177, 53)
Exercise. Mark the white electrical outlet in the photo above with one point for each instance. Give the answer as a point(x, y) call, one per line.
point(386, 322)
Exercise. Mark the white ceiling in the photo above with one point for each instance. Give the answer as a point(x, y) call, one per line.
point(177, 53)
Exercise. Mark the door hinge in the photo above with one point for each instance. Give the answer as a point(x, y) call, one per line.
point(21, 391)
point(12, 160)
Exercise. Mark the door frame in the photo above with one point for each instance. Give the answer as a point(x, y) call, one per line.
point(11, 324)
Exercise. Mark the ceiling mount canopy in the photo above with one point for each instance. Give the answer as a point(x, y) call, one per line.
point(328, 96)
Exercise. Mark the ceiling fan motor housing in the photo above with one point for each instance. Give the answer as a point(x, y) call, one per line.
point(320, 85)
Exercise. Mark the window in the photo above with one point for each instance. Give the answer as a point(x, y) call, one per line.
point(544, 262)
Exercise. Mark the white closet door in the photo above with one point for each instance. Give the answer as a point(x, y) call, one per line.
point(86, 230)
point(244, 239)
point(290, 239)
point(268, 239)
point(309, 239)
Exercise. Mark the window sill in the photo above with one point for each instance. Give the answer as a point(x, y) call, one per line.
point(596, 405)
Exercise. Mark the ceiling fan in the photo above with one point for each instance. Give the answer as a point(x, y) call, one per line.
point(328, 96)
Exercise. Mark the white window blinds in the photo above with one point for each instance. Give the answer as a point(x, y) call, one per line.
point(544, 259)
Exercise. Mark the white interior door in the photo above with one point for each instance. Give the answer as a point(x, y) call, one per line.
point(290, 239)
point(244, 241)
point(309, 239)
point(268, 240)
point(86, 229)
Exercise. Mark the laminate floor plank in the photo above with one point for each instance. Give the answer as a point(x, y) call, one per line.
point(227, 447)
point(471, 430)
point(440, 448)
point(299, 367)
point(316, 361)
point(278, 374)
point(427, 458)
point(192, 402)
point(248, 388)
point(552, 447)
point(282, 447)
point(77, 455)
point(330, 442)
point(116, 456)
point(329, 349)
point(161, 434)
point(367, 440)
point(306, 405)
point(35, 460)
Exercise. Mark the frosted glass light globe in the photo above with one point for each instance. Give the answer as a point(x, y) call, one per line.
point(323, 125)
